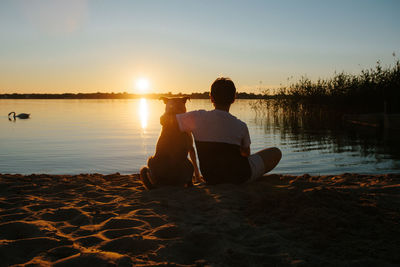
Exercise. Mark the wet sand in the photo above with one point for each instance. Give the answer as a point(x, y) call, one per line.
point(106, 220)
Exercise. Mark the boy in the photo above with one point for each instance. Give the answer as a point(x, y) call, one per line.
point(223, 141)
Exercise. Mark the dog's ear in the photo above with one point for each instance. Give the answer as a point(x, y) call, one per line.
point(164, 99)
point(184, 99)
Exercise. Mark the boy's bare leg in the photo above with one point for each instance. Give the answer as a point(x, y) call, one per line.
point(271, 157)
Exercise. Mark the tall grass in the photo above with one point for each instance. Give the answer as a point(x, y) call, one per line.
point(371, 90)
point(311, 112)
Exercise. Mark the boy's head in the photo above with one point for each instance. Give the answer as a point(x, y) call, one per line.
point(223, 91)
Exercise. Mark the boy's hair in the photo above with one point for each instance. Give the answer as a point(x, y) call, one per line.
point(223, 91)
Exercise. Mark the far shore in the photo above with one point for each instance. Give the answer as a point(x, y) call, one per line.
point(278, 220)
point(124, 95)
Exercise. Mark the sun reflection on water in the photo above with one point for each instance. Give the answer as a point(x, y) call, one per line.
point(143, 113)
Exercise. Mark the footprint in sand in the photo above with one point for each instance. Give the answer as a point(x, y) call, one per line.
point(134, 245)
point(111, 234)
point(72, 215)
point(89, 241)
point(19, 230)
point(21, 251)
point(167, 232)
point(115, 223)
point(57, 253)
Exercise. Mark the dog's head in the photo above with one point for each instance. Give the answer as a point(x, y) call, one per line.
point(175, 105)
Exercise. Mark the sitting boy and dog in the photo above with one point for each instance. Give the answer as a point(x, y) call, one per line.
point(222, 142)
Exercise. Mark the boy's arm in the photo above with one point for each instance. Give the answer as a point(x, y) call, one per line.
point(193, 159)
point(186, 121)
point(245, 146)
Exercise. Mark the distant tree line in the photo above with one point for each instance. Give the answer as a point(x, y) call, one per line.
point(373, 90)
point(98, 95)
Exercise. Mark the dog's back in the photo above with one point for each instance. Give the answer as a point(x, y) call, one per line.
point(170, 165)
point(173, 145)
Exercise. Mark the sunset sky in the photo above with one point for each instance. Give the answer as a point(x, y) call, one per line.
point(51, 46)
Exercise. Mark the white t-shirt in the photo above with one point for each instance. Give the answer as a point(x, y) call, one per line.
point(215, 126)
point(219, 137)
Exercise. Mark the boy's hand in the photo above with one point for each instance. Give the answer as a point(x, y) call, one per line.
point(198, 179)
point(245, 151)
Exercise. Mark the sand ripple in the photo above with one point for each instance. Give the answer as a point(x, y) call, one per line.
point(110, 220)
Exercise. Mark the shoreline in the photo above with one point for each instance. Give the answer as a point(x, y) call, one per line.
point(280, 220)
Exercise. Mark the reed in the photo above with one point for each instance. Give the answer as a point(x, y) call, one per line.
point(369, 91)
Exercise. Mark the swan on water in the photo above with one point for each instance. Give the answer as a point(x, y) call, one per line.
point(20, 116)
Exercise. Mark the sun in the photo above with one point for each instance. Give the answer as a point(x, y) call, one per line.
point(142, 85)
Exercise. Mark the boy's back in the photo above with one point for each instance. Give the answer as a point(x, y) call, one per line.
point(219, 137)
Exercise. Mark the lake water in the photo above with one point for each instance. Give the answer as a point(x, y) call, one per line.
point(108, 136)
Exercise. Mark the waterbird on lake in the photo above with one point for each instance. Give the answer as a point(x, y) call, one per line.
point(20, 116)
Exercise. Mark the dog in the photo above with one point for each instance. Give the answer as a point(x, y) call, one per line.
point(170, 165)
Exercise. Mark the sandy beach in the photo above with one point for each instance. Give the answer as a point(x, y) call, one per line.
point(107, 220)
